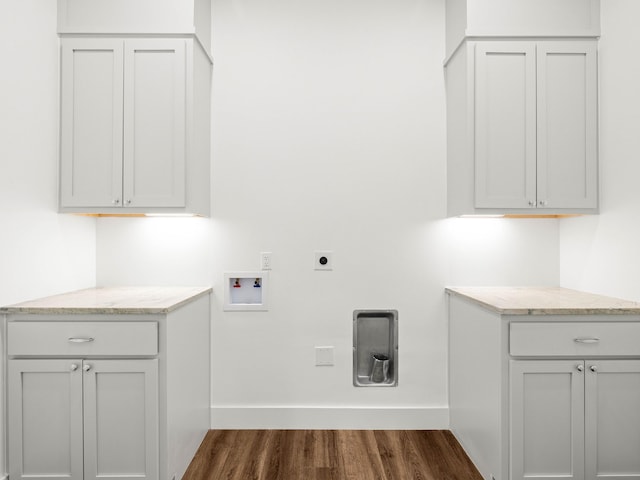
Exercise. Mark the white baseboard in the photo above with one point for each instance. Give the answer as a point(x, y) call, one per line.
point(330, 418)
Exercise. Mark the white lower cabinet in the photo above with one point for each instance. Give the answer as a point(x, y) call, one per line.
point(612, 419)
point(547, 420)
point(108, 392)
point(545, 396)
point(83, 419)
point(574, 419)
point(120, 400)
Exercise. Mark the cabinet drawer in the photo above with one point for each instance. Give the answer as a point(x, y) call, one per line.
point(82, 338)
point(575, 339)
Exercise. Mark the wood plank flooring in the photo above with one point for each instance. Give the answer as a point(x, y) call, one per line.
point(331, 455)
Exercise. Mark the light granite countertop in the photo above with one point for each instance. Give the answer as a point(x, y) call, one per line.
point(111, 300)
point(544, 301)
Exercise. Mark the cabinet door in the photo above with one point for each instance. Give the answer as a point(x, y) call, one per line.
point(547, 420)
point(121, 419)
point(567, 125)
point(612, 420)
point(505, 125)
point(45, 419)
point(154, 123)
point(91, 123)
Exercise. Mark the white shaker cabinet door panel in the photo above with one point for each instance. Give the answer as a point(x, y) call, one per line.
point(532, 116)
point(134, 126)
point(547, 420)
point(154, 123)
point(83, 420)
point(121, 419)
point(505, 119)
point(612, 419)
point(45, 420)
point(91, 122)
point(567, 125)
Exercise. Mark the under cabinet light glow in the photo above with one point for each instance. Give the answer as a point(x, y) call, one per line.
point(185, 215)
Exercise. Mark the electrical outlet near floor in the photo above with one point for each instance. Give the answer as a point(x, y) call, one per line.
point(324, 356)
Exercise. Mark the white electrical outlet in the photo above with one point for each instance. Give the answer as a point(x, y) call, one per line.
point(323, 260)
point(265, 260)
point(324, 356)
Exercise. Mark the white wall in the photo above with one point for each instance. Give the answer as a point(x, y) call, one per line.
point(601, 253)
point(154, 251)
point(41, 252)
point(324, 115)
point(328, 134)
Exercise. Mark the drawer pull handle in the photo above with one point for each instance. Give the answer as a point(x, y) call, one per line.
point(80, 339)
point(586, 340)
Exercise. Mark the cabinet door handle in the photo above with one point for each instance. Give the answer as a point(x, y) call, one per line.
point(80, 339)
point(73, 367)
point(593, 368)
point(532, 203)
point(86, 367)
point(580, 367)
point(586, 340)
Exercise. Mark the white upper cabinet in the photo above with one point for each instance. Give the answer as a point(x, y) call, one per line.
point(535, 119)
point(91, 123)
point(505, 125)
point(520, 18)
point(123, 134)
point(567, 125)
point(154, 161)
point(136, 17)
point(125, 125)
point(135, 106)
point(522, 107)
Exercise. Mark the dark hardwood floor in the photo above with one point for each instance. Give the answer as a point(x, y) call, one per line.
point(331, 455)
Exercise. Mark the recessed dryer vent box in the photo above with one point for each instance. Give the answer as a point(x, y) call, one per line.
point(246, 291)
point(375, 348)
